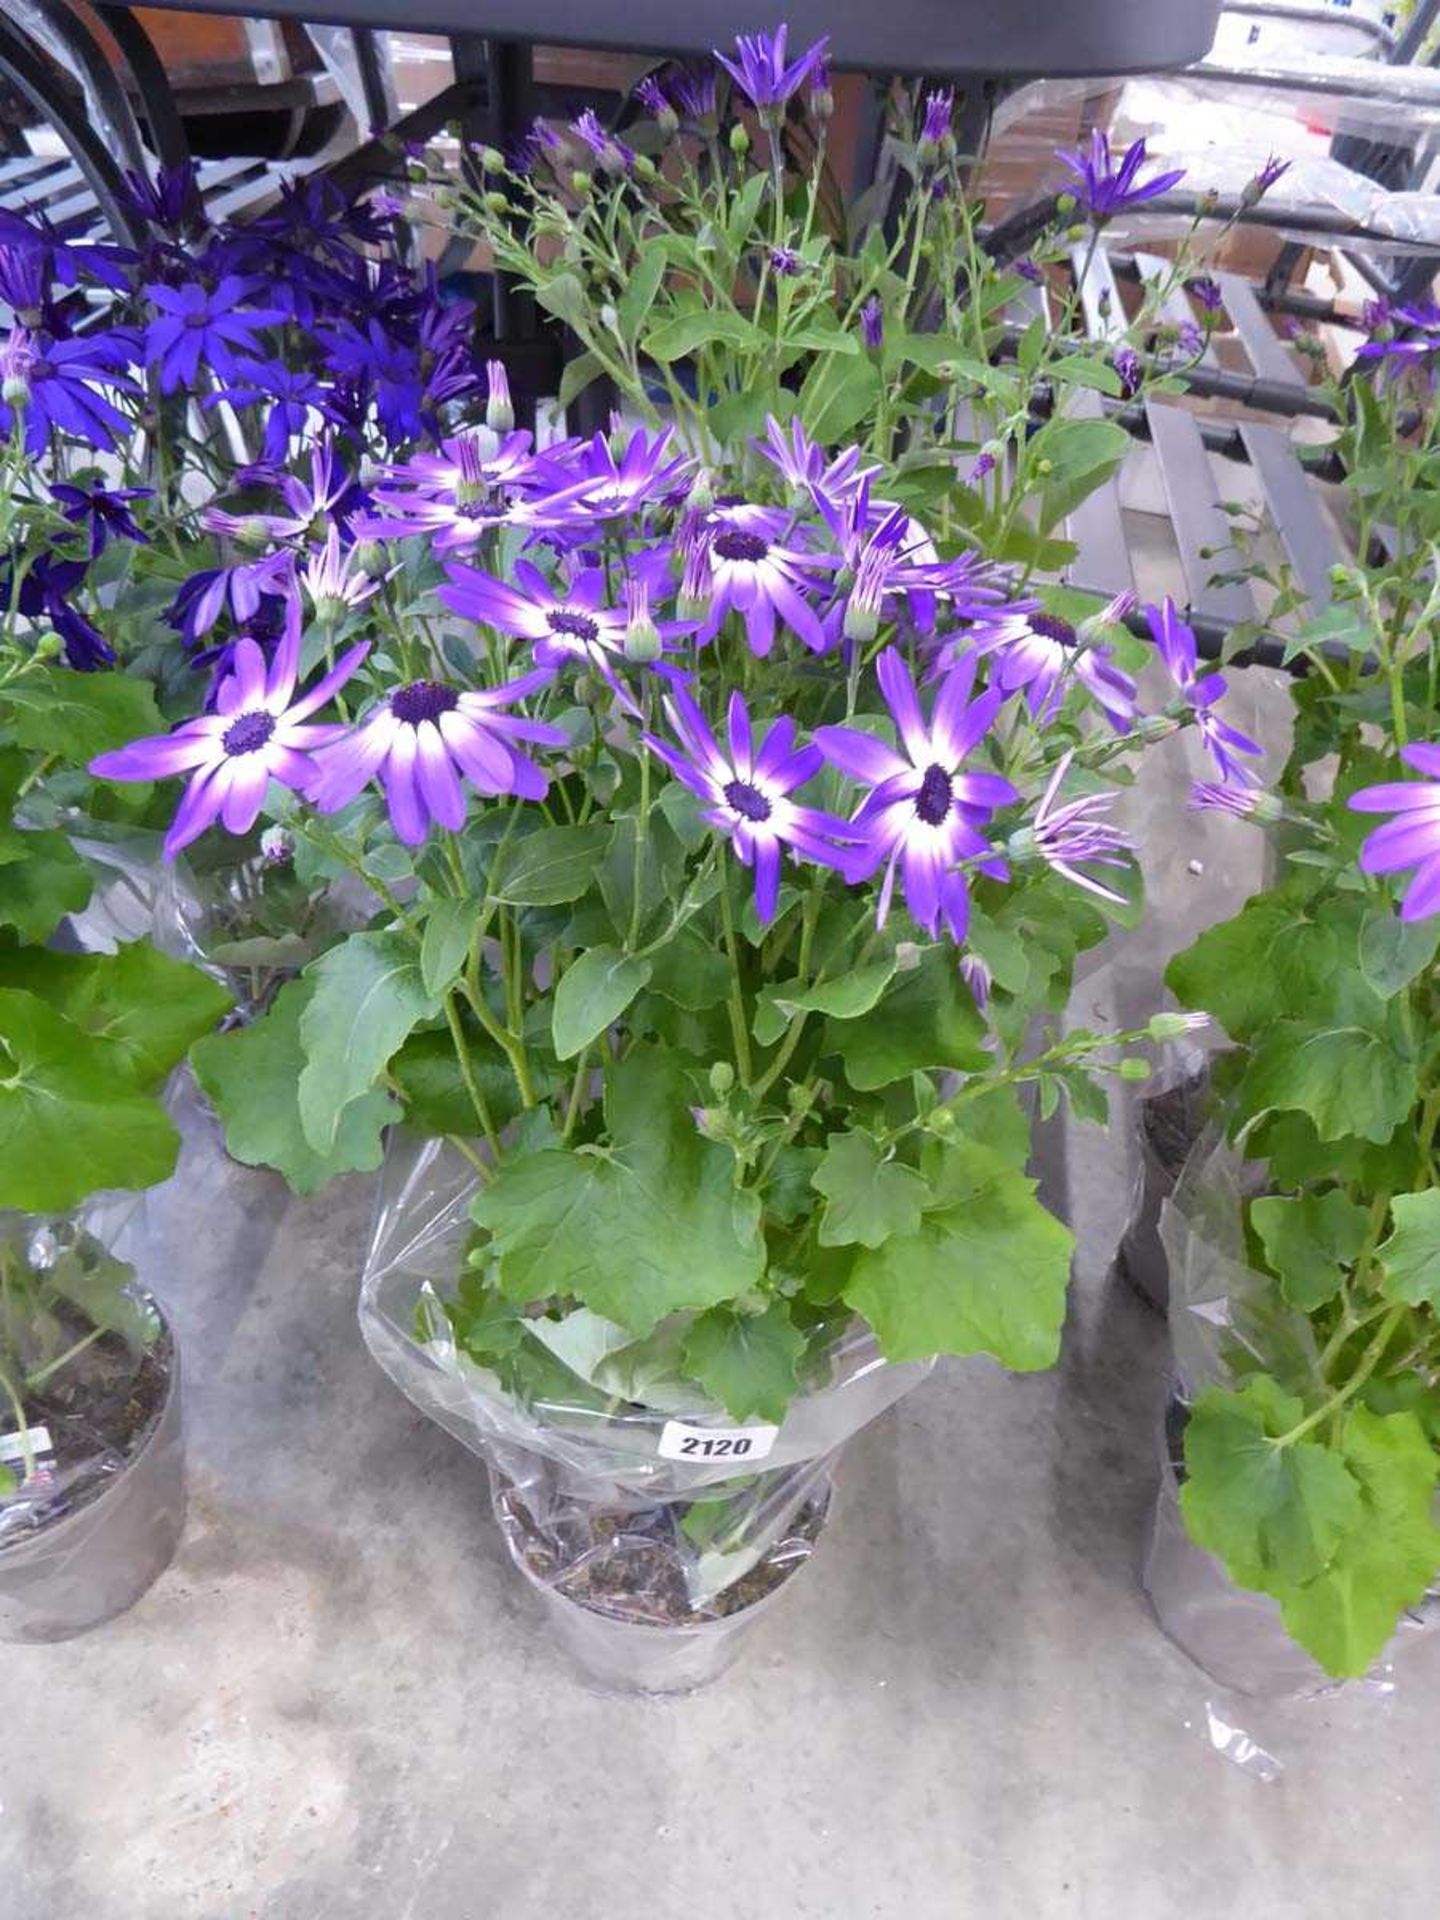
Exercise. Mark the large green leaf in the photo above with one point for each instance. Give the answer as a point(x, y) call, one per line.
point(1272, 961)
point(846, 998)
point(1274, 1513)
point(986, 1275)
point(550, 867)
point(149, 1005)
point(1410, 1258)
point(1388, 1562)
point(746, 1361)
point(367, 994)
point(1079, 455)
point(1393, 951)
point(71, 1120)
point(868, 1199)
point(649, 1225)
point(77, 715)
point(591, 995)
point(252, 1078)
point(444, 945)
point(43, 880)
point(1350, 1077)
point(837, 392)
point(686, 333)
point(926, 1019)
point(1309, 1240)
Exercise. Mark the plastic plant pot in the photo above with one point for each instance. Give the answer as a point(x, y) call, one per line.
point(1168, 1125)
point(92, 1563)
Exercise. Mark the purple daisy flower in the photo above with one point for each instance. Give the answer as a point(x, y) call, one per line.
point(752, 571)
point(1036, 651)
point(103, 511)
point(872, 323)
point(612, 153)
point(1209, 796)
point(1207, 294)
point(424, 740)
point(694, 90)
point(237, 590)
point(466, 466)
point(746, 791)
point(760, 72)
point(924, 813)
point(1130, 371)
point(1415, 346)
point(1256, 189)
point(1175, 642)
point(293, 396)
point(1106, 186)
point(935, 126)
point(256, 734)
point(1073, 836)
point(643, 473)
point(1412, 839)
point(806, 468)
point(197, 326)
point(45, 595)
point(334, 580)
point(67, 386)
point(168, 201)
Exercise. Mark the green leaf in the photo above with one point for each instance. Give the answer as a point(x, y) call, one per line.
point(550, 867)
point(1393, 951)
point(1350, 1079)
point(44, 879)
point(845, 998)
point(1310, 1239)
point(746, 1361)
point(691, 971)
point(428, 1079)
point(1271, 961)
point(565, 296)
point(836, 394)
point(77, 715)
point(1074, 370)
point(686, 332)
point(576, 376)
point(149, 1006)
point(988, 1275)
point(251, 1077)
point(1410, 1258)
point(591, 995)
point(444, 945)
point(868, 1199)
point(71, 1121)
point(927, 1019)
point(633, 307)
point(367, 994)
point(1082, 455)
point(1274, 1514)
point(649, 1225)
point(1346, 1615)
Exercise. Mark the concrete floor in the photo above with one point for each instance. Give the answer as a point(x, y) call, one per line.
point(340, 1700)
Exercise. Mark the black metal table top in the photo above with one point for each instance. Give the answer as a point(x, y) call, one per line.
point(1016, 38)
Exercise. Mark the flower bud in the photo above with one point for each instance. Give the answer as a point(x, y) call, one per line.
point(701, 497)
point(252, 533)
point(642, 637)
point(1065, 204)
point(49, 646)
point(277, 847)
point(496, 202)
point(492, 160)
point(739, 141)
point(370, 558)
point(15, 391)
point(1170, 1026)
point(800, 1098)
point(941, 1121)
point(643, 167)
point(862, 623)
point(1134, 1068)
point(581, 183)
point(499, 408)
point(722, 1078)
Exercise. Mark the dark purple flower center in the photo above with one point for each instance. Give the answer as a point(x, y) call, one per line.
point(747, 801)
point(422, 700)
point(480, 509)
point(196, 322)
point(1051, 627)
point(578, 626)
point(936, 796)
point(732, 544)
point(249, 733)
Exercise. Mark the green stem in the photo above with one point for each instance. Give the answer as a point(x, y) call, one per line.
point(467, 1074)
point(1369, 1360)
point(739, 1030)
point(42, 1374)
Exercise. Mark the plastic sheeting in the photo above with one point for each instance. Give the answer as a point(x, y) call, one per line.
point(1221, 1310)
point(652, 1565)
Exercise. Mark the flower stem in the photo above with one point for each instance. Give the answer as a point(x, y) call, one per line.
point(739, 1030)
point(467, 1074)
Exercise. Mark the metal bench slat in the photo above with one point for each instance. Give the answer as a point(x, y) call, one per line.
point(1311, 543)
point(1252, 323)
point(1196, 514)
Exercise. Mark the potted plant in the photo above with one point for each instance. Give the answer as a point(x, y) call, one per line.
point(1306, 1282)
point(91, 1466)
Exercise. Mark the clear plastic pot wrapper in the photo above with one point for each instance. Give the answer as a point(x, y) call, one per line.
point(619, 1487)
point(1169, 1118)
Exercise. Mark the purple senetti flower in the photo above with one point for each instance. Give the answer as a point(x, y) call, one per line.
point(1027, 270)
point(196, 325)
point(1037, 651)
point(166, 202)
point(256, 734)
point(653, 97)
point(612, 153)
point(291, 394)
point(807, 468)
point(1416, 345)
point(1207, 294)
point(939, 105)
point(694, 90)
point(1073, 836)
point(746, 790)
point(1129, 369)
point(644, 472)
point(1256, 189)
point(872, 323)
point(760, 71)
point(65, 384)
point(45, 595)
point(426, 739)
point(103, 511)
point(924, 812)
point(1175, 642)
point(753, 571)
point(1106, 186)
point(237, 589)
point(1412, 838)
